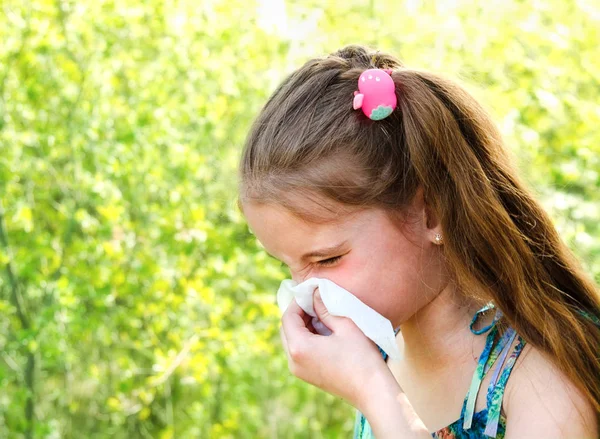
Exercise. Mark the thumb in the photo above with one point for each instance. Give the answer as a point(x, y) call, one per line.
point(326, 322)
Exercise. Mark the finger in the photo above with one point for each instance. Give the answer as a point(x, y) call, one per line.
point(307, 320)
point(297, 335)
point(295, 308)
point(295, 321)
point(323, 315)
point(320, 327)
point(311, 327)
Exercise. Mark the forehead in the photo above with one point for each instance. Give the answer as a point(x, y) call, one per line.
point(287, 236)
point(280, 231)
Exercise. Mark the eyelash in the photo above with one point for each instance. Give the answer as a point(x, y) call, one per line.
point(324, 263)
point(328, 262)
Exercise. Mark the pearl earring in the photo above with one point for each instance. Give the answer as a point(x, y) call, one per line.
point(439, 239)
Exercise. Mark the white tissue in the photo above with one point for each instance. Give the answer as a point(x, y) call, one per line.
point(339, 302)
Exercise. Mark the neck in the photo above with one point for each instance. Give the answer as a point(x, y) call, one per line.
point(438, 334)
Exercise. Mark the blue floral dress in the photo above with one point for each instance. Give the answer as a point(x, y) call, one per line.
point(489, 422)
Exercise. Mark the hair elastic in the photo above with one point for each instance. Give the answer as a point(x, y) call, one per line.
point(376, 94)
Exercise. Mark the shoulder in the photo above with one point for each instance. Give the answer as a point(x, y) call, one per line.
point(541, 401)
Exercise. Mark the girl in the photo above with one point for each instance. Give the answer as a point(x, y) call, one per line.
point(394, 184)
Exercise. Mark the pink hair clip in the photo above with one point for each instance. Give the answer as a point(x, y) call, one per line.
point(376, 94)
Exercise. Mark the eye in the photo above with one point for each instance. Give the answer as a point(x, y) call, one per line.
point(328, 262)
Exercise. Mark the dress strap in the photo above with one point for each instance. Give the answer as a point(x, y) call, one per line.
point(496, 391)
point(503, 355)
point(485, 329)
point(486, 361)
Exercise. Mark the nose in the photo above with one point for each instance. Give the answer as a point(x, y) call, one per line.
point(299, 277)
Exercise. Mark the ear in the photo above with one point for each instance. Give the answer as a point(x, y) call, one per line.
point(431, 220)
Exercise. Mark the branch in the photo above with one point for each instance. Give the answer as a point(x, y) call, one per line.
point(15, 294)
point(17, 301)
point(177, 361)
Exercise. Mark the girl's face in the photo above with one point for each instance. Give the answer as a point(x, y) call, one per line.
point(394, 268)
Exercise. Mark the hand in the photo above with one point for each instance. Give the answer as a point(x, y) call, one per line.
point(342, 363)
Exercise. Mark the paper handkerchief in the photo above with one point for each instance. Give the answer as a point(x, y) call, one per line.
point(339, 302)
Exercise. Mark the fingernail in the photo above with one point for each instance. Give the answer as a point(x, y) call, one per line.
point(321, 328)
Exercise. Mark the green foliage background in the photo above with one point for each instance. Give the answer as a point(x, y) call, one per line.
point(134, 303)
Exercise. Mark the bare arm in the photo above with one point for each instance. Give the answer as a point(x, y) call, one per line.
point(543, 402)
point(388, 410)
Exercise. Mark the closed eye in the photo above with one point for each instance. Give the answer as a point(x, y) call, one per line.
point(328, 262)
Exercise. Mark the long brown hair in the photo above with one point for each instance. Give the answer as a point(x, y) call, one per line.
point(307, 140)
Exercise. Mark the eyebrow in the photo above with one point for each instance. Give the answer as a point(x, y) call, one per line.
point(327, 251)
point(320, 253)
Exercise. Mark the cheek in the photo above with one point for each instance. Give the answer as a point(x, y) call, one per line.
point(387, 280)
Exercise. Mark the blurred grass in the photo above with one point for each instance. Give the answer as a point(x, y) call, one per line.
point(134, 301)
